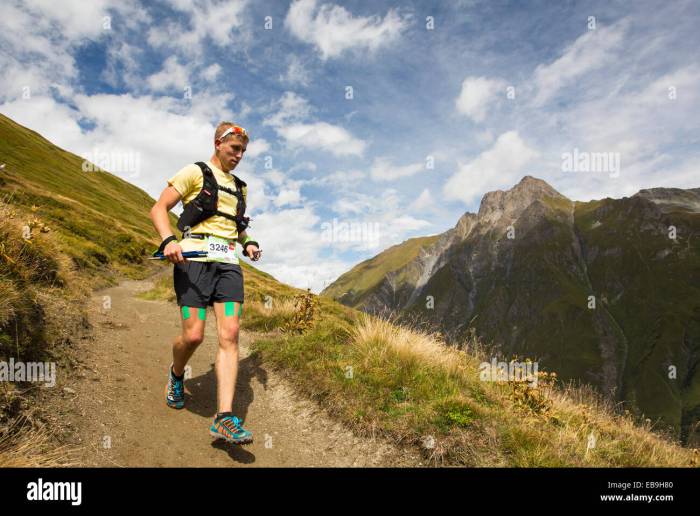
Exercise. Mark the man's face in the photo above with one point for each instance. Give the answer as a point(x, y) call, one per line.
point(230, 151)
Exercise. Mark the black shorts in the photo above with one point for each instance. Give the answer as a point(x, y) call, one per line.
point(198, 284)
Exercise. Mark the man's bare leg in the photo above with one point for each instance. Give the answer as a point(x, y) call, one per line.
point(227, 323)
point(187, 342)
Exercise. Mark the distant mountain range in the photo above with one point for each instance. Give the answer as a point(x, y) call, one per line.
point(606, 292)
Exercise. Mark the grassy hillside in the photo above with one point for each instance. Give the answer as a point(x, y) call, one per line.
point(64, 233)
point(351, 287)
point(97, 219)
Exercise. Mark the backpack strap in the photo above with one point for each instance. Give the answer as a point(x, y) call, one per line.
point(210, 183)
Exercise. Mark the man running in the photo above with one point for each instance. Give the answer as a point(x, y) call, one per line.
point(213, 220)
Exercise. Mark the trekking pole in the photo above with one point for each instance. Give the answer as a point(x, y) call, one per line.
point(186, 254)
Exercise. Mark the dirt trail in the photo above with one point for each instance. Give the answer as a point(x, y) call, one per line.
point(115, 408)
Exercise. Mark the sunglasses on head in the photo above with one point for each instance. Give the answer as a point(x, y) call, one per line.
point(233, 130)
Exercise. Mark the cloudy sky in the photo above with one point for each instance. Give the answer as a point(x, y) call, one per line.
point(371, 122)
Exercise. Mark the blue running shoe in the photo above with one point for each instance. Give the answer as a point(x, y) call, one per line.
point(229, 427)
point(174, 391)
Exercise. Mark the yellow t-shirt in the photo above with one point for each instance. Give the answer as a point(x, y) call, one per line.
point(188, 182)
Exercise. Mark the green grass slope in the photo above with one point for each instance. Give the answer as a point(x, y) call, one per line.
point(351, 287)
point(65, 231)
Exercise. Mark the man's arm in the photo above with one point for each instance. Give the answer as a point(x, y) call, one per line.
point(161, 221)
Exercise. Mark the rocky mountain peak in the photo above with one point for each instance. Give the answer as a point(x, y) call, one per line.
point(511, 202)
point(465, 224)
point(669, 199)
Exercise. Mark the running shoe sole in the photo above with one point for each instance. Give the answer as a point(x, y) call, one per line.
point(219, 437)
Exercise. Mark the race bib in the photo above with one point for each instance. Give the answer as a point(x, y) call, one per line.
point(221, 250)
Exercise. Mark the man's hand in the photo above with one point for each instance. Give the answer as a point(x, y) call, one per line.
point(173, 252)
point(253, 252)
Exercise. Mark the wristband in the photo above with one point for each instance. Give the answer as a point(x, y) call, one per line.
point(165, 243)
point(248, 241)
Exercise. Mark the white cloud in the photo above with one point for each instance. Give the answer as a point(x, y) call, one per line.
point(290, 107)
point(290, 122)
point(33, 56)
point(477, 96)
point(423, 202)
point(288, 190)
point(381, 215)
point(122, 65)
point(497, 167)
point(288, 196)
point(316, 275)
point(296, 72)
point(224, 24)
point(405, 223)
point(383, 170)
point(323, 136)
point(353, 203)
point(592, 50)
point(257, 147)
point(304, 166)
point(293, 243)
point(259, 196)
point(172, 75)
point(332, 29)
point(76, 19)
point(340, 180)
point(39, 39)
point(274, 177)
point(212, 72)
point(643, 125)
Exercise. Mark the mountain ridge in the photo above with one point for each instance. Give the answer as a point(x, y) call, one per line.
point(523, 271)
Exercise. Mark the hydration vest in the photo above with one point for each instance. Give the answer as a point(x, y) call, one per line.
point(206, 204)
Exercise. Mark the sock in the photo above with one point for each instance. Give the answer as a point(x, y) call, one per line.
point(219, 415)
point(179, 378)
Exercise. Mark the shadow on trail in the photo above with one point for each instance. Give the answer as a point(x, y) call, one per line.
point(202, 399)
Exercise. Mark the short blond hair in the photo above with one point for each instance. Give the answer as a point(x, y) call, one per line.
point(221, 128)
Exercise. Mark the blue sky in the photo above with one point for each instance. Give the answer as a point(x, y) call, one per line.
point(438, 116)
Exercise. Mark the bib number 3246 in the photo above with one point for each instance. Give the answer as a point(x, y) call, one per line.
point(221, 250)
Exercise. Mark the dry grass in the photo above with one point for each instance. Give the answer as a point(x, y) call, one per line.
point(25, 440)
point(25, 446)
point(269, 315)
point(41, 310)
point(374, 336)
point(412, 388)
